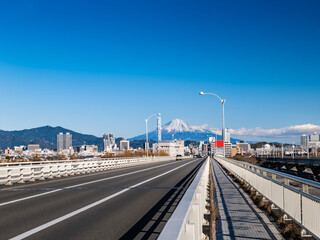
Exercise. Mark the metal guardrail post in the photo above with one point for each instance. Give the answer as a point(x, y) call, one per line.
point(9, 177)
point(59, 172)
point(305, 188)
point(50, 173)
point(42, 174)
point(21, 176)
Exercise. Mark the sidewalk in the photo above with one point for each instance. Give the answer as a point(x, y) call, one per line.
point(238, 216)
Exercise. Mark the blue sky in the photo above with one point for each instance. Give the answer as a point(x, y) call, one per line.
point(104, 66)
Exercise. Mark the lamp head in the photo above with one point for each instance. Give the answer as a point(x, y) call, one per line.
point(201, 93)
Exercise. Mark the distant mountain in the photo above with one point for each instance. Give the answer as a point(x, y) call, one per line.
point(45, 136)
point(179, 129)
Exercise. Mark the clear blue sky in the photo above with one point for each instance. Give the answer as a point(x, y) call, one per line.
point(104, 66)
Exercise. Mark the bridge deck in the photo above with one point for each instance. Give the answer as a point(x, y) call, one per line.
point(239, 218)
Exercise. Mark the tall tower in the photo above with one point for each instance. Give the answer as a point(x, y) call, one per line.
point(159, 127)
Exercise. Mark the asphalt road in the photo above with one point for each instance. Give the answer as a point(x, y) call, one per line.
point(130, 203)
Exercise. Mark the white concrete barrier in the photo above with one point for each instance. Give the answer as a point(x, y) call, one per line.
point(30, 171)
point(188, 217)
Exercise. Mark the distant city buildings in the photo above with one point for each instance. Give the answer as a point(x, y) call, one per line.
point(109, 143)
point(33, 147)
point(64, 141)
point(314, 144)
point(310, 143)
point(265, 150)
point(124, 145)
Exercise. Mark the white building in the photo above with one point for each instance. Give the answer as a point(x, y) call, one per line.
point(124, 145)
point(314, 137)
point(246, 147)
point(19, 149)
point(89, 150)
point(173, 148)
point(314, 141)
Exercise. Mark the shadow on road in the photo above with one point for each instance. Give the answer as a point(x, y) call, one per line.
point(151, 224)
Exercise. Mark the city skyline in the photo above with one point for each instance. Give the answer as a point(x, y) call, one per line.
point(104, 67)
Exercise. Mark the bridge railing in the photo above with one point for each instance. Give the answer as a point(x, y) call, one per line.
point(289, 193)
point(7, 164)
point(188, 217)
point(32, 171)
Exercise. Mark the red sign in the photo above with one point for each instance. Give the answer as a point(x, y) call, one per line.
point(219, 143)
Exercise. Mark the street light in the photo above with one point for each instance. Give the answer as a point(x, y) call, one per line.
point(147, 142)
point(222, 101)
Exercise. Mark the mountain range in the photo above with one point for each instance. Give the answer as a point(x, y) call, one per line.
point(47, 136)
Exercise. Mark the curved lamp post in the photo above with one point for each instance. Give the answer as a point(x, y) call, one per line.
point(222, 101)
point(147, 141)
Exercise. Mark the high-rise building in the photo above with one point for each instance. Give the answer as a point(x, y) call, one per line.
point(68, 140)
point(60, 141)
point(109, 142)
point(314, 137)
point(124, 145)
point(64, 141)
point(226, 135)
point(228, 149)
point(304, 141)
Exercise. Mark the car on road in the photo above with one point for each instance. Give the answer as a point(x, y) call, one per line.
point(178, 157)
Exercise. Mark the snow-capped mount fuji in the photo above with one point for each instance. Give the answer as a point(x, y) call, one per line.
point(178, 125)
point(179, 129)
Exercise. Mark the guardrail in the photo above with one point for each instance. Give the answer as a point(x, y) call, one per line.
point(32, 171)
point(290, 194)
point(71, 160)
point(309, 162)
point(188, 217)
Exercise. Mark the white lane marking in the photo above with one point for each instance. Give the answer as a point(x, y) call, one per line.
point(69, 215)
point(81, 184)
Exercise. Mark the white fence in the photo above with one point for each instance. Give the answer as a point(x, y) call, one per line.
point(188, 217)
point(31, 171)
point(302, 207)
